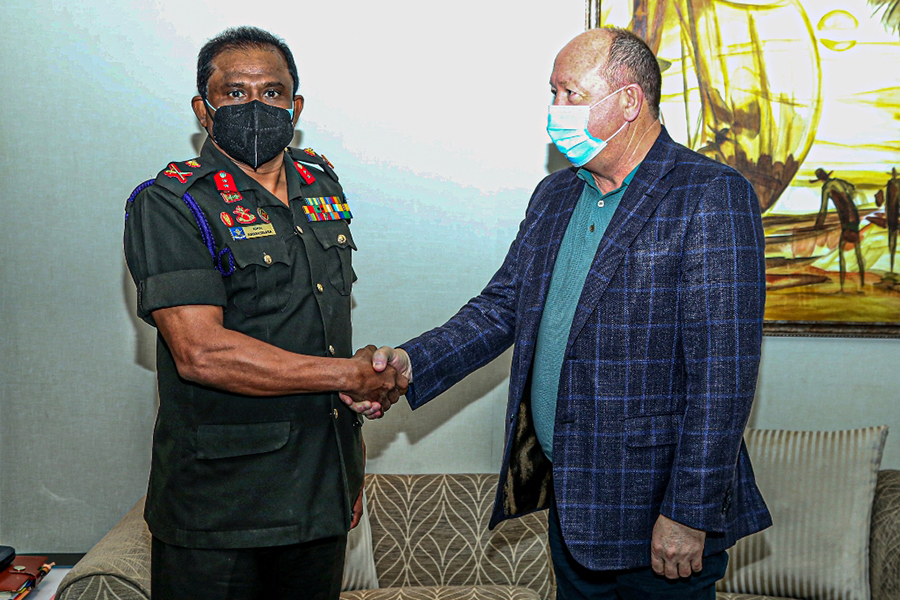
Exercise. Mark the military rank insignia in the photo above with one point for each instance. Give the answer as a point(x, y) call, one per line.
point(263, 215)
point(304, 173)
point(312, 152)
point(231, 197)
point(173, 172)
point(192, 163)
point(327, 208)
point(225, 182)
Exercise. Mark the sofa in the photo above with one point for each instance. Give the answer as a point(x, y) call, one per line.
point(429, 540)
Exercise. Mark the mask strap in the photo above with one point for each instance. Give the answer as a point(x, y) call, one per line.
point(617, 132)
point(610, 95)
point(289, 110)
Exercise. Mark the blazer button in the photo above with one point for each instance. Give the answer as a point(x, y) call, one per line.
point(320, 287)
point(298, 229)
point(331, 350)
point(342, 239)
point(335, 413)
point(267, 259)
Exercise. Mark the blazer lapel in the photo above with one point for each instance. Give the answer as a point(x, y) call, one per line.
point(643, 195)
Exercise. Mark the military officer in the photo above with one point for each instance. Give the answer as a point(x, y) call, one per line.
point(242, 260)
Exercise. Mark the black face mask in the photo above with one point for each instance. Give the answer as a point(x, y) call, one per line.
point(254, 132)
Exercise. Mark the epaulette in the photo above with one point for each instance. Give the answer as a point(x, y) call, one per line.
point(309, 156)
point(178, 177)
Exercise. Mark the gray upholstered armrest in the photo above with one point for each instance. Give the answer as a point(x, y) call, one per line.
point(117, 567)
point(884, 550)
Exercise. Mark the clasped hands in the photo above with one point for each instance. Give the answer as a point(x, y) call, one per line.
point(381, 377)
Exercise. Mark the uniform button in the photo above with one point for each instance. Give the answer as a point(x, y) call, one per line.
point(320, 287)
point(298, 229)
point(335, 413)
point(331, 350)
point(600, 203)
point(342, 239)
point(267, 259)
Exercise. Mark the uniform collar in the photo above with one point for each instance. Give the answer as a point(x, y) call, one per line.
point(220, 162)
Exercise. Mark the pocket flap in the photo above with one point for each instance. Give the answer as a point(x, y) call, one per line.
point(652, 430)
point(333, 233)
point(263, 252)
point(227, 440)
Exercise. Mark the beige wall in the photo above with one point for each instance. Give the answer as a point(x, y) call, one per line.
point(433, 114)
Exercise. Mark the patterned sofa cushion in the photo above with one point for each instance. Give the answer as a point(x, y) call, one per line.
point(459, 592)
point(117, 567)
point(431, 530)
point(819, 486)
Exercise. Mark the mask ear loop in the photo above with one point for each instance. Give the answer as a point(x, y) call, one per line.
point(609, 95)
point(290, 110)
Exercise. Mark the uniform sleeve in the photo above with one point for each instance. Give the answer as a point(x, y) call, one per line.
point(722, 299)
point(168, 259)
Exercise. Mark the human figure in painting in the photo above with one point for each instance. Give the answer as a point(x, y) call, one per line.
point(841, 194)
point(891, 205)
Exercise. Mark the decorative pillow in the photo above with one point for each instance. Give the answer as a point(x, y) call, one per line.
point(359, 562)
point(819, 487)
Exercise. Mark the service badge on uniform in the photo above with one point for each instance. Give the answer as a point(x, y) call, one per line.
point(226, 218)
point(243, 216)
point(326, 208)
point(263, 214)
point(173, 171)
point(231, 197)
point(192, 163)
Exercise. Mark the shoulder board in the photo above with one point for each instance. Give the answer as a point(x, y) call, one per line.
point(309, 156)
point(179, 176)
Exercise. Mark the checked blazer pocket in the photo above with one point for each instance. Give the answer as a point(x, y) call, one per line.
point(651, 430)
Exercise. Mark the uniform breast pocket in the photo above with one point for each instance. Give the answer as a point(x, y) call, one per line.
point(261, 283)
point(338, 245)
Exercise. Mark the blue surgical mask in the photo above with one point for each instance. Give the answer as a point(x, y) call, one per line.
point(568, 128)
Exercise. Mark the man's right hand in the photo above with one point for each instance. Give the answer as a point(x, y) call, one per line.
point(394, 357)
point(376, 389)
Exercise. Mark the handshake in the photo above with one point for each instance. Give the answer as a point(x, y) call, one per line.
point(381, 376)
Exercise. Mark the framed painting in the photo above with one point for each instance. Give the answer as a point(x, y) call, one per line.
point(803, 98)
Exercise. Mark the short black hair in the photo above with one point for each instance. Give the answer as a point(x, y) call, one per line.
point(630, 60)
point(240, 38)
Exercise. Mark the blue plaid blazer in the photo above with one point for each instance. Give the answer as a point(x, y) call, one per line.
point(660, 369)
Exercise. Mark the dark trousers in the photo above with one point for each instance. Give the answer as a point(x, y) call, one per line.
point(308, 571)
point(575, 582)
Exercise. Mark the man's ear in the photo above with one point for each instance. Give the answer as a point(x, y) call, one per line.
point(199, 108)
point(632, 100)
point(298, 107)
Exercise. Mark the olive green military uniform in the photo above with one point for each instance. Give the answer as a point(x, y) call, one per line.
point(233, 471)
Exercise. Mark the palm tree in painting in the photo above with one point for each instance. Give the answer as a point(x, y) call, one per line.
point(890, 18)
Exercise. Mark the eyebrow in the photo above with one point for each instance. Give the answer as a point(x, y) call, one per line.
point(240, 84)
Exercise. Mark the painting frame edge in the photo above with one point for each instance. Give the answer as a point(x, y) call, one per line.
point(772, 328)
point(847, 329)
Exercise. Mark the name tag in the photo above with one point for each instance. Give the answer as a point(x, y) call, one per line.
point(251, 231)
